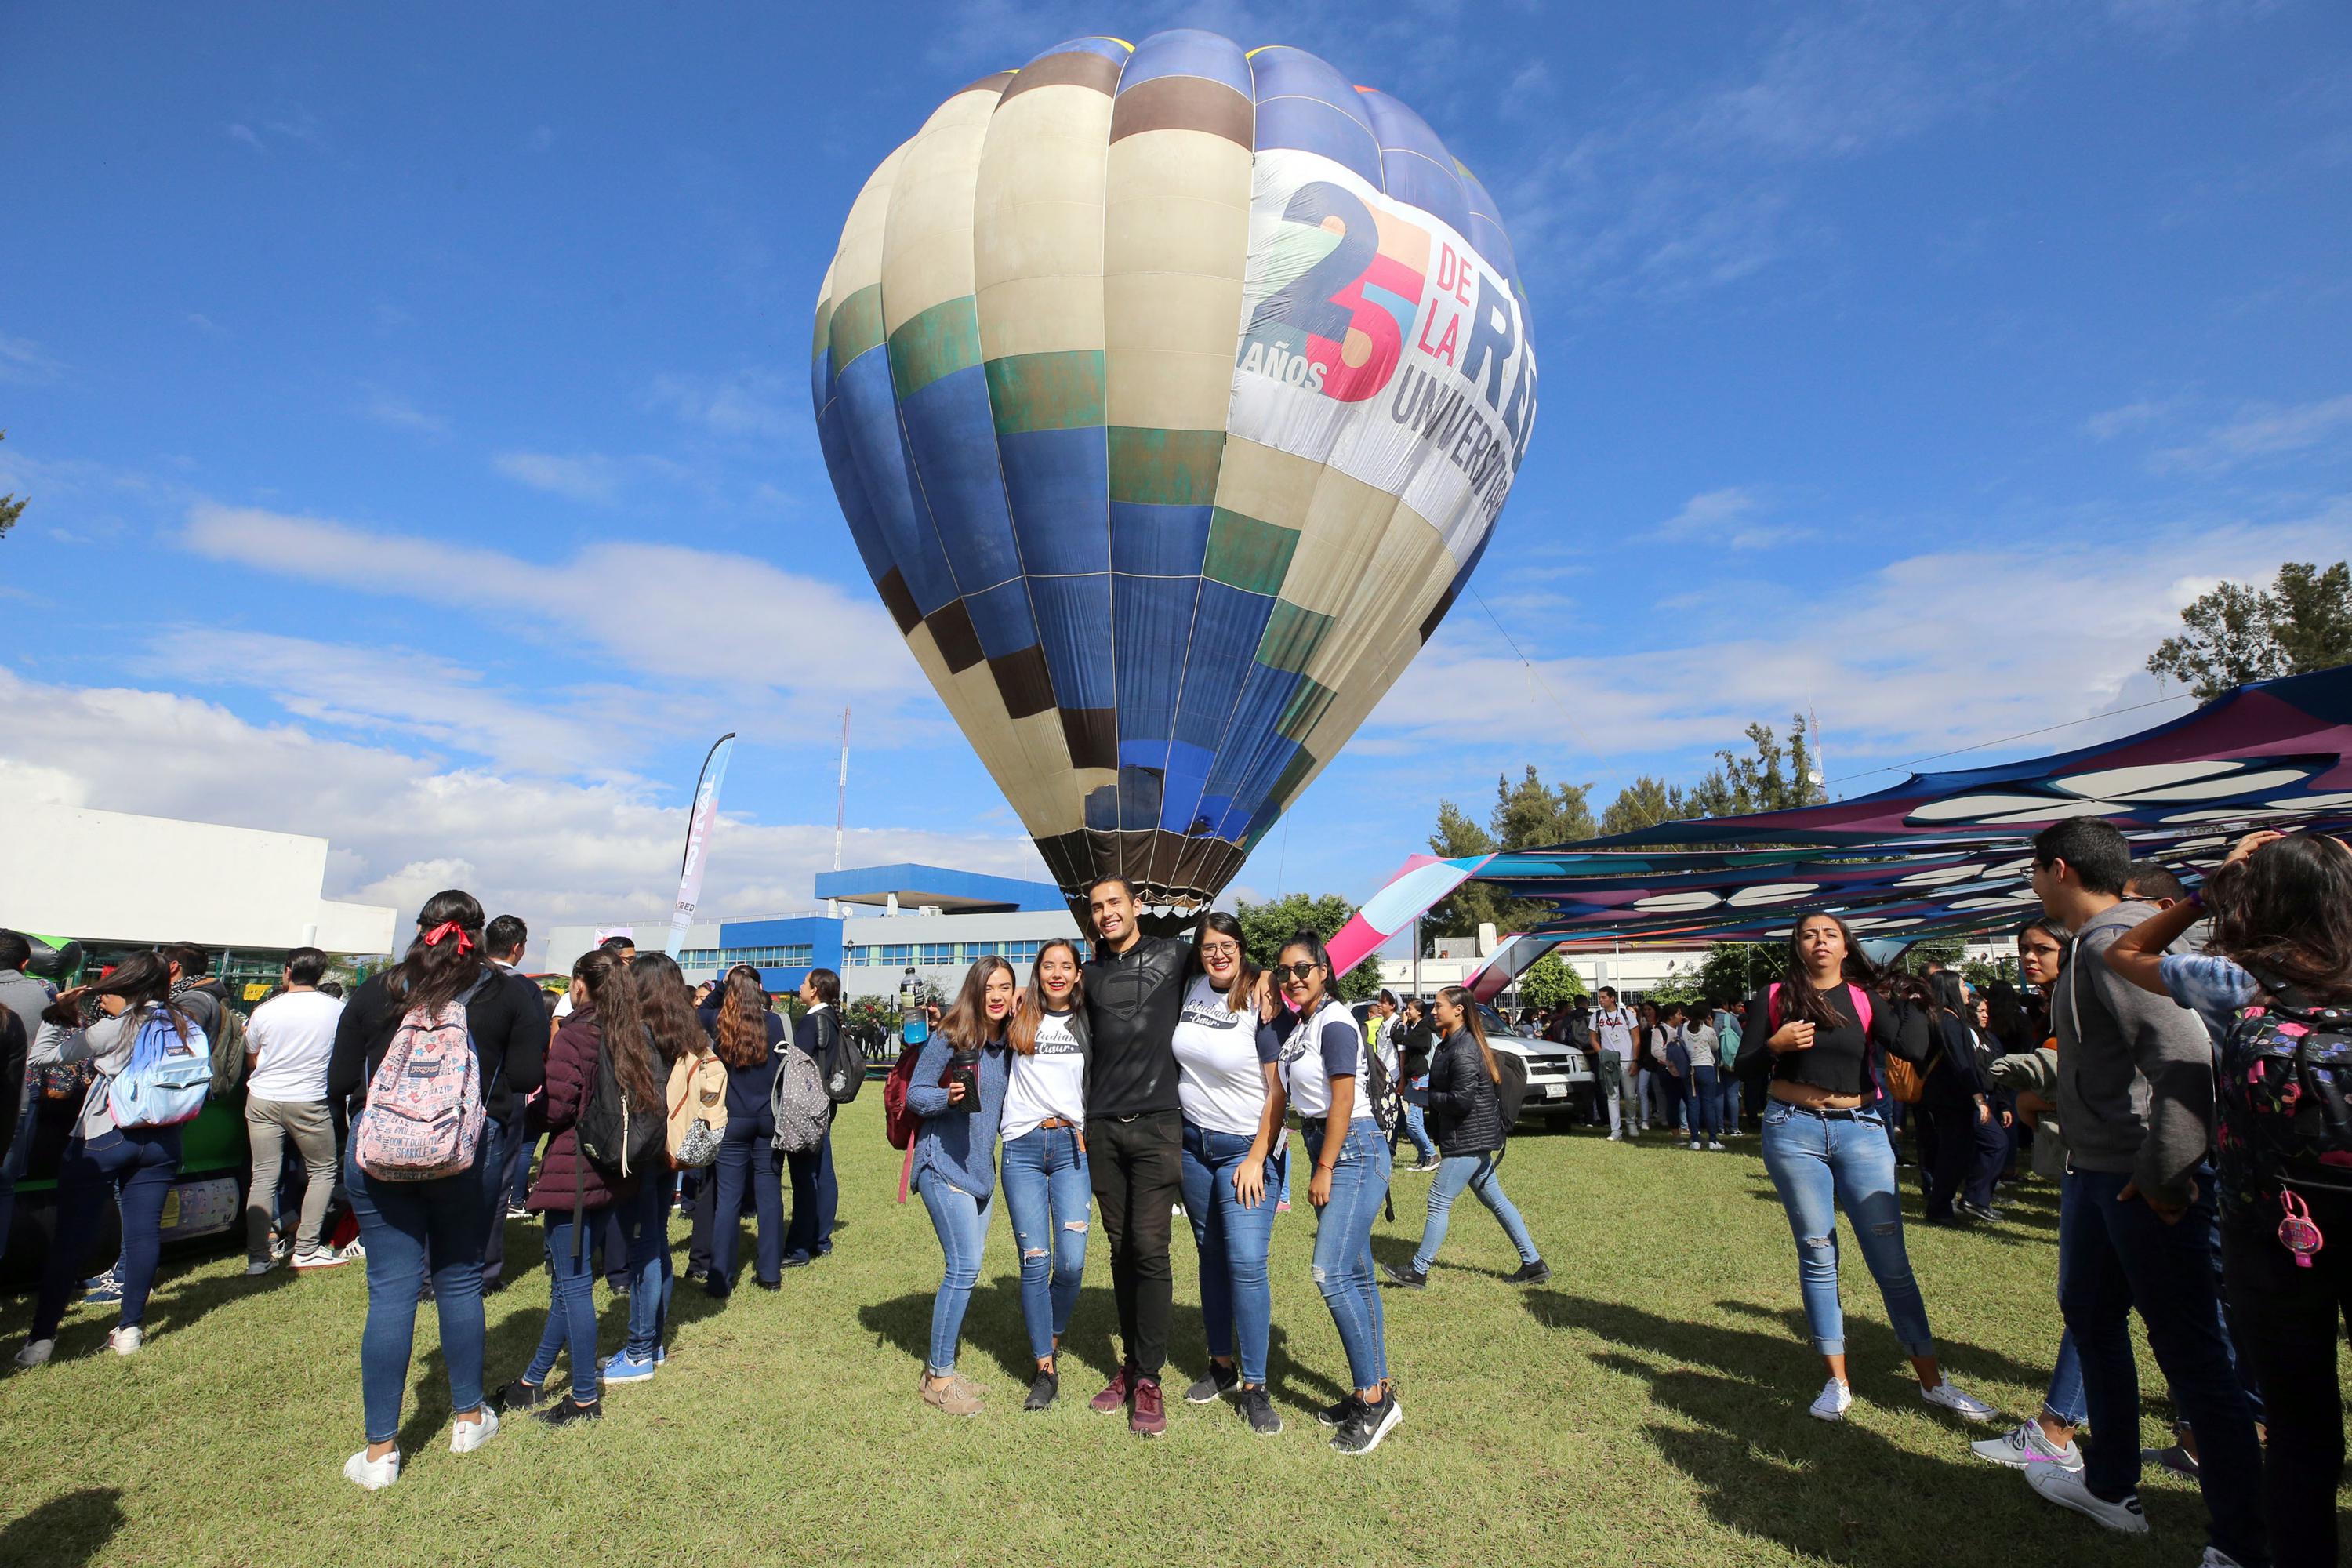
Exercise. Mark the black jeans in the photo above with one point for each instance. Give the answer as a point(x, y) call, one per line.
point(2288, 1320)
point(1948, 1147)
point(1137, 1163)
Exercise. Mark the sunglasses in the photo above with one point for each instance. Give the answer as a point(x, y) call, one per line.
point(1306, 969)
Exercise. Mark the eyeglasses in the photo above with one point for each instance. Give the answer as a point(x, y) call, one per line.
point(1221, 949)
point(1305, 969)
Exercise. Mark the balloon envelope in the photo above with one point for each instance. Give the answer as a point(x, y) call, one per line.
point(1171, 393)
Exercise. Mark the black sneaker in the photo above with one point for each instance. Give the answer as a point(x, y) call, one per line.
point(1259, 1412)
point(1342, 1413)
point(1221, 1380)
point(1411, 1279)
point(1535, 1273)
point(569, 1410)
point(1042, 1389)
point(521, 1395)
point(1372, 1423)
point(1981, 1212)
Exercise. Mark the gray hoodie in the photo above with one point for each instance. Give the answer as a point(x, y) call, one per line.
point(2134, 1072)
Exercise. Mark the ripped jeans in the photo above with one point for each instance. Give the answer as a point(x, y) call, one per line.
point(1821, 1164)
point(1048, 1195)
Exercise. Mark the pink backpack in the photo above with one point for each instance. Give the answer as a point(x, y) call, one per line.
point(424, 1108)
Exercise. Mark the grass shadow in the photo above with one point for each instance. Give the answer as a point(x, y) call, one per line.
point(192, 1299)
point(66, 1531)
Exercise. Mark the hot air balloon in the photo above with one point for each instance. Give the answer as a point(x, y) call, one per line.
point(1171, 393)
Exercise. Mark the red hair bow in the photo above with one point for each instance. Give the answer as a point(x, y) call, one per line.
point(464, 943)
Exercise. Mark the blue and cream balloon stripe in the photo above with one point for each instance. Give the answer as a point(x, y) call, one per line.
point(1171, 393)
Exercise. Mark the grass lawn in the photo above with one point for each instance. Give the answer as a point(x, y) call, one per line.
point(1645, 1407)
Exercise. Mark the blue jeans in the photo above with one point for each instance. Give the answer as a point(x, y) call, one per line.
point(961, 1221)
point(1048, 1196)
point(1705, 1112)
point(1417, 1126)
point(503, 1142)
point(134, 1166)
point(2116, 1255)
point(1819, 1165)
point(1728, 1084)
point(645, 1233)
point(1477, 1173)
point(747, 1161)
point(570, 1305)
point(1232, 1238)
point(402, 1224)
point(815, 1197)
point(20, 1149)
point(516, 1159)
point(1343, 1247)
point(2063, 1400)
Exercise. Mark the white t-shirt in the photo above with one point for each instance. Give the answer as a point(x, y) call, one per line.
point(294, 1034)
point(1320, 1048)
point(1052, 1082)
point(1613, 1028)
point(1219, 1057)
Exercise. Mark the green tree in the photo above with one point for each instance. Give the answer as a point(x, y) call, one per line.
point(1646, 803)
point(1738, 968)
point(1980, 973)
point(11, 509)
point(1265, 927)
point(1946, 951)
point(2235, 634)
point(1548, 982)
point(1527, 815)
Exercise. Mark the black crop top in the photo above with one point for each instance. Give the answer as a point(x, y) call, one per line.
point(1838, 1061)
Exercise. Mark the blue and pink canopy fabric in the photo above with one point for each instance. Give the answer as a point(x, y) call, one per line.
point(1938, 855)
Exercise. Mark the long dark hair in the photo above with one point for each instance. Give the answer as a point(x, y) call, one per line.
point(1477, 1027)
point(1021, 1033)
point(743, 1018)
point(1950, 995)
point(667, 1005)
point(2286, 910)
point(2006, 1008)
point(432, 974)
point(827, 986)
point(613, 992)
point(143, 980)
point(1799, 1001)
point(966, 1023)
point(1243, 991)
point(1312, 942)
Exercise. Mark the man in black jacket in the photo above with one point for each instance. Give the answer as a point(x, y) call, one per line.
point(1135, 1135)
point(510, 1147)
point(817, 1196)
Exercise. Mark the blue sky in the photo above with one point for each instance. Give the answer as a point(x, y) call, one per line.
point(414, 407)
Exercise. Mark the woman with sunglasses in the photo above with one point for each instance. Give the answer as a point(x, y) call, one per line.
point(1322, 1062)
point(1043, 1163)
point(1225, 1060)
point(1825, 1145)
point(958, 1088)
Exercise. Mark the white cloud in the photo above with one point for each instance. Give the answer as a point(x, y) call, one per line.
point(754, 404)
point(387, 407)
point(1936, 650)
point(402, 826)
point(244, 135)
point(1728, 517)
point(585, 477)
point(22, 360)
point(716, 620)
point(2261, 430)
point(206, 324)
point(2110, 423)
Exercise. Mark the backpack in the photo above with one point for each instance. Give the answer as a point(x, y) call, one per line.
point(2283, 1080)
point(1381, 1083)
point(166, 1079)
point(838, 1059)
point(1678, 1055)
point(424, 1106)
point(803, 1110)
point(1511, 1091)
point(1904, 1082)
point(899, 1122)
point(228, 1050)
point(697, 1111)
point(618, 1138)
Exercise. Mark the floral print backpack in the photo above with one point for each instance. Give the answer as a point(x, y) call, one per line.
point(2283, 1083)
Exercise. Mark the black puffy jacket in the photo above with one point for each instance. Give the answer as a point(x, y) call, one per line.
point(1465, 1117)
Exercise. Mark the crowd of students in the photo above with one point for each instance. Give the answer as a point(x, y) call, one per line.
point(1155, 1077)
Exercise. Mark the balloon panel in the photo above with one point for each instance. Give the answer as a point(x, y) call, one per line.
point(1171, 393)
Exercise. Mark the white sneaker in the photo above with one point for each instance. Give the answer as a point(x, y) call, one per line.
point(320, 1258)
point(352, 1252)
point(464, 1436)
point(1835, 1400)
point(373, 1474)
point(1616, 1137)
point(259, 1267)
point(1947, 1395)
point(1696, 1146)
point(125, 1342)
point(1714, 1145)
point(2216, 1558)
point(2027, 1446)
point(36, 1352)
point(2067, 1489)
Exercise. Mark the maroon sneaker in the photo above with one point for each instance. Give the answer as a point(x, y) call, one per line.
point(1149, 1417)
point(1115, 1396)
